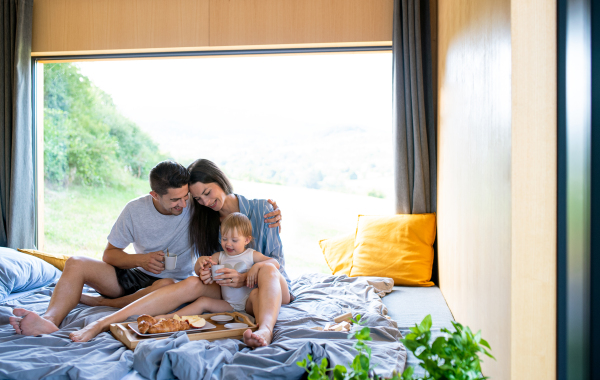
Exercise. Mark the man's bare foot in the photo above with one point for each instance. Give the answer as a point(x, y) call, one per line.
point(15, 322)
point(93, 300)
point(27, 322)
point(88, 332)
point(259, 338)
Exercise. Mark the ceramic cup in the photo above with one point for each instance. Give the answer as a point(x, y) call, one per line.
point(170, 262)
point(214, 270)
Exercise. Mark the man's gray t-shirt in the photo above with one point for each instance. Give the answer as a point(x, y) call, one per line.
point(148, 230)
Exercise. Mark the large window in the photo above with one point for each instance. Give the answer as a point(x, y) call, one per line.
point(312, 132)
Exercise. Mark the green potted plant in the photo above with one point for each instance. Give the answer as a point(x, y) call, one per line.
point(452, 357)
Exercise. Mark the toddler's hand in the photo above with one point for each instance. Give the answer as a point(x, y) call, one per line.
point(205, 262)
point(252, 276)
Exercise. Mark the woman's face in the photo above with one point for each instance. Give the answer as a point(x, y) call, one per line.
point(208, 194)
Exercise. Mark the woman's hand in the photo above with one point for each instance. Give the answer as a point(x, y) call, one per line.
point(230, 277)
point(274, 216)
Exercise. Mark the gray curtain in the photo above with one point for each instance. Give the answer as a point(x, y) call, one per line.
point(17, 197)
point(413, 108)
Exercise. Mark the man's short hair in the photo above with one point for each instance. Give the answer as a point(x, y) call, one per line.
point(166, 175)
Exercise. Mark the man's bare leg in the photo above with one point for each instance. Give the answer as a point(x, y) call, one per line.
point(161, 301)
point(121, 302)
point(264, 303)
point(78, 271)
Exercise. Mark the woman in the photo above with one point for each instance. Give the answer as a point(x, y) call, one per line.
point(209, 187)
point(213, 201)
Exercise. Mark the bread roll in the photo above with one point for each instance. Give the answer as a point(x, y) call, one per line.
point(168, 325)
point(147, 318)
point(143, 326)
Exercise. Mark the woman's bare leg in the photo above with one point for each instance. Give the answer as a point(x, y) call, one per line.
point(201, 305)
point(264, 303)
point(159, 302)
point(121, 302)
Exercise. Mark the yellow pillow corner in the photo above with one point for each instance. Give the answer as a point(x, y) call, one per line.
point(58, 260)
point(338, 253)
point(396, 246)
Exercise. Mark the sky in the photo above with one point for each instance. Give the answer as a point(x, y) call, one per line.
point(232, 101)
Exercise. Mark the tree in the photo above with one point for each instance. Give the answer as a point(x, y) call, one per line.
point(86, 139)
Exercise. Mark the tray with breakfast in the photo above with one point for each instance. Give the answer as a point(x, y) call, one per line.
point(205, 326)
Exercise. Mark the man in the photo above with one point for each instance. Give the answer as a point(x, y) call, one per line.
point(152, 223)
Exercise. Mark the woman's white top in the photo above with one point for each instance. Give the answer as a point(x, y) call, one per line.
point(242, 263)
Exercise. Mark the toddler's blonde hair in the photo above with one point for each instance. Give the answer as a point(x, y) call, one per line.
point(239, 222)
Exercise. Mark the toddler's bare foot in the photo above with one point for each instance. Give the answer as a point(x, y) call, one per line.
point(259, 338)
point(88, 332)
point(30, 323)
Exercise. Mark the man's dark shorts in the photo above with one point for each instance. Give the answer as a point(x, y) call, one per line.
point(132, 280)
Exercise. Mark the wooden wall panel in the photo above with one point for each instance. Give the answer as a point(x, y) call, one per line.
point(474, 158)
point(534, 160)
point(107, 26)
point(273, 22)
point(63, 27)
point(497, 178)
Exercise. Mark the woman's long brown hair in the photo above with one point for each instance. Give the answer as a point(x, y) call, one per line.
point(204, 226)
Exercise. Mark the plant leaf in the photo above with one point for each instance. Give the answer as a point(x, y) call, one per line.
point(425, 323)
point(408, 373)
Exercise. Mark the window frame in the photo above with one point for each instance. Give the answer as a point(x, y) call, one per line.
point(37, 95)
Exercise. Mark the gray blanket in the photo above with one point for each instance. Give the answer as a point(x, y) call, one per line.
point(319, 299)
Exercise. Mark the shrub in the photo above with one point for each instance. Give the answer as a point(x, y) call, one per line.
point(453, 357)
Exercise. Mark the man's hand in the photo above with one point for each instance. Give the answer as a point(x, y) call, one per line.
point(274, 216)
point(153, 262)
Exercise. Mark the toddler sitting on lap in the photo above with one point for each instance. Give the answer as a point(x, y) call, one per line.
point(236, 234)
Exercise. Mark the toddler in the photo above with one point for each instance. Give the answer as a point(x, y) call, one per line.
point(236, 234)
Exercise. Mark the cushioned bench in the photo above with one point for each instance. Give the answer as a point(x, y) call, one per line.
point(409, 305)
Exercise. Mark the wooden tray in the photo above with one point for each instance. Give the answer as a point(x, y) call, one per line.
point(131, 339)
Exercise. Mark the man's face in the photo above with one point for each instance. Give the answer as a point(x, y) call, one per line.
point(173, 202)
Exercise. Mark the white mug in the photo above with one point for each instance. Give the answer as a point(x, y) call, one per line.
point(214, 270)
point(170, 262)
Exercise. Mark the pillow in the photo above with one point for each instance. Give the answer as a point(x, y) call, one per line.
point(58, 260)
point(338, 253)
point(396, 246)
point(19, 272)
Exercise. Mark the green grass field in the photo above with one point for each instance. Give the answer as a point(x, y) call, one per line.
point(78, 219)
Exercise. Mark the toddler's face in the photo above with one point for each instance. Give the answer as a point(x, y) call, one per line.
point(233, 243)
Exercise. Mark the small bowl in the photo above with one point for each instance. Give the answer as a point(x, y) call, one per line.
point(221, 318)
point(236, 326)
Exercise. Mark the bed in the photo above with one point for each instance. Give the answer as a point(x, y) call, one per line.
point(319, 299)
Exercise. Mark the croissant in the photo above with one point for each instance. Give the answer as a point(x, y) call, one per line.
point(168, 325)
point(144, 322)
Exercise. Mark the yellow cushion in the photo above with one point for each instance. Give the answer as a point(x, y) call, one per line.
point(58, 260)
point(338, 253)
point(396, 246)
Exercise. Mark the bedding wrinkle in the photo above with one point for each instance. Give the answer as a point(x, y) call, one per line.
point(319, 299)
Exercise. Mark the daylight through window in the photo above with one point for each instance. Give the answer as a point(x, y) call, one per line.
point(312, 132)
